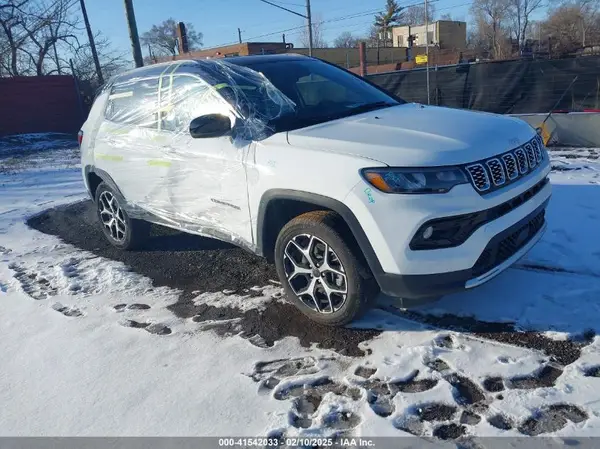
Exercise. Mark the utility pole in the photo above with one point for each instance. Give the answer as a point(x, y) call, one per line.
point(133, 33)
point(308, 18)
point(92, 43)
point(409, 44)
point(310, 29)
point(240, 35)
point(427, 48)
point(151, 55)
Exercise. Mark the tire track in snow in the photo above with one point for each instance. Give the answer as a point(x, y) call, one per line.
point(195, 264)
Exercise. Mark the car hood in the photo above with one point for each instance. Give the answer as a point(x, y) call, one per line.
point(413, 135)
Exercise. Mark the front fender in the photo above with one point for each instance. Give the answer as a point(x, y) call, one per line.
point(320, 201)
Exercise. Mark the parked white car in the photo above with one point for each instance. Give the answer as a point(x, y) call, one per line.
point(348, 189)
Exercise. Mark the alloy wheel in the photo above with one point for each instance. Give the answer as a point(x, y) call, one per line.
point(112, 216)
point(315, 273)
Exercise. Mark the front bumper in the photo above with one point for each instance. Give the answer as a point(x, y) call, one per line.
point(503, 250)
point(391, 221)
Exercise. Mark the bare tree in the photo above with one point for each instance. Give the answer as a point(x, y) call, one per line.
point(386, 20)
point(41, 37)
point(415, 15)
point(446, 16)
point(520, 11)
point(45, 30)
point(572, 26)
point(162, 38)
point(372, 38)
point(12, 37)
point(346, 40)
point(491, 17)
point(111, 61)
point(317, 32)
point(34, 34)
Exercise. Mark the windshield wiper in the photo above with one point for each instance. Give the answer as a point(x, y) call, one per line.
point(295, 122)
point(371, 107)
point(360, 109)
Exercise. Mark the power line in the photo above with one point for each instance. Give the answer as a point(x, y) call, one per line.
point(354, 16)
point(351, 16)
point(299, 29)
point(308, 18)
point(56, 2)
point(339, 19)
point(41, 16)
point(290, 4)
point(363, 23)
point(283, 7)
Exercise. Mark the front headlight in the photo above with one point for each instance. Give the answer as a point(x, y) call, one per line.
point(414, 180)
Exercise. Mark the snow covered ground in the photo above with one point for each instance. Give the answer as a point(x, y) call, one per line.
point(90, 348)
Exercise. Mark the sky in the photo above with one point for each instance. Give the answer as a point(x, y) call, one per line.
point(219, 20)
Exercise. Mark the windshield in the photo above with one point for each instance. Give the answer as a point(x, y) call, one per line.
point(319, 92)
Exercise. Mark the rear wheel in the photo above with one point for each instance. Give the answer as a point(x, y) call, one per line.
point(120, 230)
point(321, 270)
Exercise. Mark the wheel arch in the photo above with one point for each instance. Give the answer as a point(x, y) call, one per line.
point(279, 206)
point(94, 176)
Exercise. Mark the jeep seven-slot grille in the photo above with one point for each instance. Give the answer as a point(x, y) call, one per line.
point(511, 166)
point(479, 177)
point(496, 172)
point(522, 161)
point(538, 150)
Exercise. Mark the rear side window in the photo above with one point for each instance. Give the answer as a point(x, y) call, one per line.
point(134, 102)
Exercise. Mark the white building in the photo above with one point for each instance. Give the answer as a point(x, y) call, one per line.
point(445, 34)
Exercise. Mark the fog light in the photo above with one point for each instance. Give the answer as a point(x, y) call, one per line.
point(428, 232)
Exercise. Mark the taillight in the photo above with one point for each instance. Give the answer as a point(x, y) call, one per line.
point(80, 137)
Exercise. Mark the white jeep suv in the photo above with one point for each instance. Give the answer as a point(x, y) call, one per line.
point(348, 189)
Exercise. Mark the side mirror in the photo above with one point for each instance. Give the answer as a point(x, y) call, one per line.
point(211, 125)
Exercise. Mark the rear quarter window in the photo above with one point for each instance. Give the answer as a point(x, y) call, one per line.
point(134, 102)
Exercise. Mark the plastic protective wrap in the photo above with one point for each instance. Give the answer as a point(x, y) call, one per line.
point(142, 140)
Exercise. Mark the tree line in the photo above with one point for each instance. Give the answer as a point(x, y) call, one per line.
point(498, 29)
point(46, 37)
point(501, 26)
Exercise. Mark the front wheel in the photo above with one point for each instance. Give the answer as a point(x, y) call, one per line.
point(120, 230)
point(321, 269)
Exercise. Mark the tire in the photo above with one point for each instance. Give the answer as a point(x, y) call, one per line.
point(351, 289)
point(124, 233)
